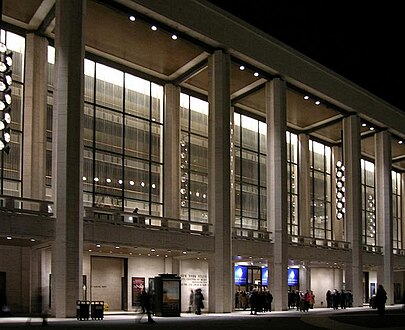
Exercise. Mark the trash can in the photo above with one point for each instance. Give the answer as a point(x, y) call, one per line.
point(83, 309)
point(97, 310)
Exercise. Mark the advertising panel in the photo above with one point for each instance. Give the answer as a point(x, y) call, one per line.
point(293, 276)
point(265, 276)
point(240, 275)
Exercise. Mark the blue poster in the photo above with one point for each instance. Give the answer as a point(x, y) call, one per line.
point(265, 276)
point(240, 275)
point(293, 277)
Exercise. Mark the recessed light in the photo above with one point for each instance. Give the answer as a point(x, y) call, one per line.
point(242, 67)
point(9, 237)
point(256, 74)
point(132, 18)
point(317, 102)
point(306, 97)
point(174, 37)
point(400, 142)
point(154, 28)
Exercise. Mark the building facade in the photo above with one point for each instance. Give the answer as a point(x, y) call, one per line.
point(250, 165)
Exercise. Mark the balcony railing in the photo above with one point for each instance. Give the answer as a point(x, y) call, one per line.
point(29, 206)
point(318, 242)
point(251, 234)
point(146, 221)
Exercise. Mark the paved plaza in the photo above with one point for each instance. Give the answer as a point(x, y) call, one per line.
point(321, 318)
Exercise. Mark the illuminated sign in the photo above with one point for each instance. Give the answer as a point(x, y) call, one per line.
point(293, 277)
point(265, 276)
point(240, 275)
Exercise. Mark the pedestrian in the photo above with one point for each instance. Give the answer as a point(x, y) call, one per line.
point(254, 302)
point(199, 301)
point(380, 299)
point(191, 302)
point(329, 299)
point(146, 298)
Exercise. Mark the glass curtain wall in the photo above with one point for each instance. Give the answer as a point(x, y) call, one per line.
point(123, 139)
point(194, 158)
point(11, 163)
point(397, 211)
point(292, 181)
point(368, 203)
point(320, 162)
point(250, 173)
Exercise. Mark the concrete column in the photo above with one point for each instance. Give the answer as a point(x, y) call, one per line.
point(304, 184)
point(219, 180)
point(352, 162)
point(383, 165)
point(68, 157)
point(276, 114)
point(35, 105)
point(171, 156)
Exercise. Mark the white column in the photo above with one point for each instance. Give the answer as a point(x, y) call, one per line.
point(219, 180)
point(276, 115)
point(35, 107)
point(172, 152)
point(304, 185)
point(352, 162)
point(68, 157)
point(383, 165)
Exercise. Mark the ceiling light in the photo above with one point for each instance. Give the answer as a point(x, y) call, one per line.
point(132, 18)
point(9, 237)
point(256, 74)
point(174, 37)
point(317, 102)
point(306, 97)
point(98, 245)
point(372, 128)
point(154, 28)
point(242, 67)
point(364, 124)
point(400, 142)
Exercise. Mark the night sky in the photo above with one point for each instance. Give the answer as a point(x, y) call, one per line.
point(361, 43)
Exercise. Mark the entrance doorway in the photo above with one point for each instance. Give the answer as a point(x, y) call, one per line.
point(108, 279)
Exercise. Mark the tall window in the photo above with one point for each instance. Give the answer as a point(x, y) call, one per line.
point(11, 163)
point(250, 173)
point(194, 158)
point(292, 181)
point(321, 224)
point(368, 203)
point(397, 211)
point(123, 146)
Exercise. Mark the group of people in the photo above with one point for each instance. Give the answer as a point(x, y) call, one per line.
point(338, 299)
point(302, 301)
point(257, 300)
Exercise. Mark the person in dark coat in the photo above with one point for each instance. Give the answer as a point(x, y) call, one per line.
point(254, 302)
point(146, 299)
point(199, 304)
point(380, 299)
point(329, 299)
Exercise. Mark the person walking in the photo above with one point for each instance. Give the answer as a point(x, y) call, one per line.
point(191, 301)
point(198, 299)
point(146, 298)
point(380, 299)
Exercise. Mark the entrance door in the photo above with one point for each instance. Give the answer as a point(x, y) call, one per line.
point(106, 284)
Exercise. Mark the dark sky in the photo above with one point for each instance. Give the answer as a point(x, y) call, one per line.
point(359, 40)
